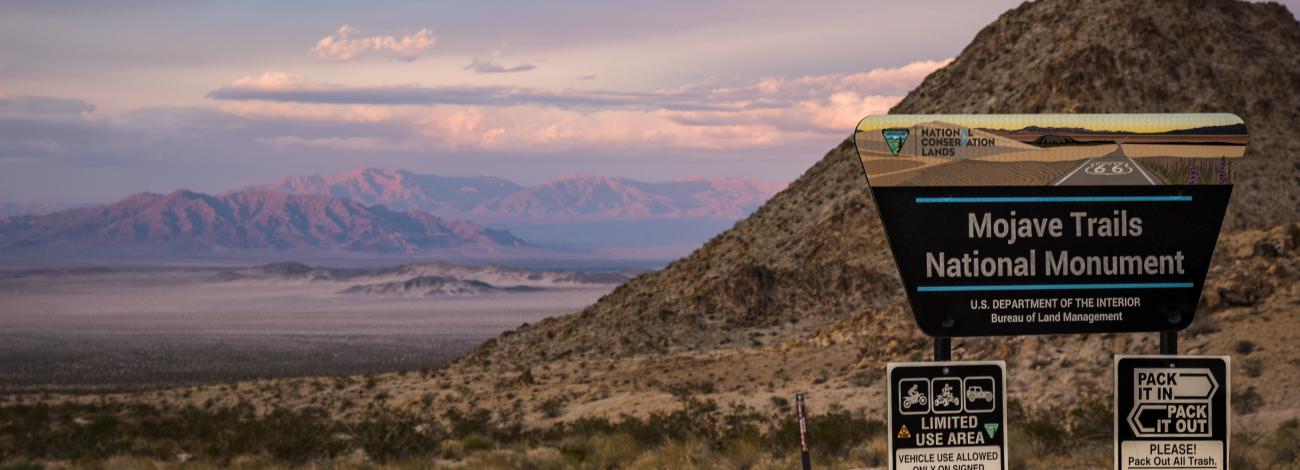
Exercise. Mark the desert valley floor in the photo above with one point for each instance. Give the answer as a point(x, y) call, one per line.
point(149, 328)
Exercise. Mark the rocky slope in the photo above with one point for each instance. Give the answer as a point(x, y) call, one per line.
point(811, 265)
point(186, 222)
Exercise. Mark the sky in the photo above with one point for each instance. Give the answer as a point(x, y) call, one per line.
point(102, 99)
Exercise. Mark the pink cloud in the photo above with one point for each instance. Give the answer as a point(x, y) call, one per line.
point(342, 45)
point(768, 112)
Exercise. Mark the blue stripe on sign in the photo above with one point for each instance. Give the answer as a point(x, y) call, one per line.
point(1013, 287)
point(995, 199)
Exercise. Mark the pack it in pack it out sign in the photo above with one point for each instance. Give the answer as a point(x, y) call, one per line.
point(1051, 223)
point(1171, 412)
point(947, 416)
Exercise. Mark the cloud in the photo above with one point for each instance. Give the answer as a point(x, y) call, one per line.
point(43, 105)
point(488, 66)
point(763, 114)
point(585, 77)
point(280, 87)
point(282, 114)
point(821, 101)
point(343, 45)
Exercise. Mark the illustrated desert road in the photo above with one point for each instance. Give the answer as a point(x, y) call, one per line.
point(1114, 168)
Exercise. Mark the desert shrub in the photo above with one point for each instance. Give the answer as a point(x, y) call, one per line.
point(1091, 419)
point(387, 435)
point(1283, 444)
point(1246, 401)
point(552, 407)
point(1252, 366)
point(477, 442)
point(866, 377)
point(833, 433)
point(1042, 432)
point(296, 436)
point(691, 388)
point(21, 464)
point(612, 451)
point(780, 403)
point(688, 454)
point(461, 424)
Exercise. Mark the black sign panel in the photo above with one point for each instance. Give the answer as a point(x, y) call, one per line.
point(947, 416)
point(1171, 412)
point(1051, 223)
point(1087, 259)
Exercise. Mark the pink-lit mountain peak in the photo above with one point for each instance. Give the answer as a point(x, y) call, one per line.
point(569, 197)
point(186, 222)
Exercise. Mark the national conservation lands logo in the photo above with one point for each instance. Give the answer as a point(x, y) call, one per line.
point(895, 137)
point(936, 141)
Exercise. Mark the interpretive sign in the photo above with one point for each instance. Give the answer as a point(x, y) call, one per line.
point(947, 416)
point(1171, 412)
point(1051, 224)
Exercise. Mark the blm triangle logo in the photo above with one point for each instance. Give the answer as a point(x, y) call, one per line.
point(895, 137)
point(991, 429)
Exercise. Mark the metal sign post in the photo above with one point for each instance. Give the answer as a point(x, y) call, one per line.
point(803, 432)
point(943, 349)
point(1169, 342)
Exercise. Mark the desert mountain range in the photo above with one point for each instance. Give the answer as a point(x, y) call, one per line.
point(370, 211)
point(186, 222)
point(569, 198)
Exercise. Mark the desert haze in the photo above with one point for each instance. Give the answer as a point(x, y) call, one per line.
point(141, 328)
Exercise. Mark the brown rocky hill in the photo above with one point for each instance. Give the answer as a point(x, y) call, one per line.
point(810, 269)
point(186, 222)
point(816, 251)
point(1144, 57)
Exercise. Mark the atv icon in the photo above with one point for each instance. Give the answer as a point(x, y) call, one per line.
point(946, 398)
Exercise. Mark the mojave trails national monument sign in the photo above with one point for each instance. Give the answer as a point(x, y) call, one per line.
point(1051, 224)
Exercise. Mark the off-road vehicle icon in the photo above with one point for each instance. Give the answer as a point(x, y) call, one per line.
point(913, 398)
point(976, 392)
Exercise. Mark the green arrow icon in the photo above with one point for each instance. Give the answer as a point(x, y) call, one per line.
point(991, 428)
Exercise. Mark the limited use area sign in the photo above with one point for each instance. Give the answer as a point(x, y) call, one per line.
point(1171, 412)
point(947, 416)
point(1053, 223)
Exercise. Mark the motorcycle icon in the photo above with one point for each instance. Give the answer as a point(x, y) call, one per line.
point(913, 398)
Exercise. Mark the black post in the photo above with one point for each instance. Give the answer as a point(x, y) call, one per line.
point(943, 349)
point(1169, 343)
point(803, 432)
